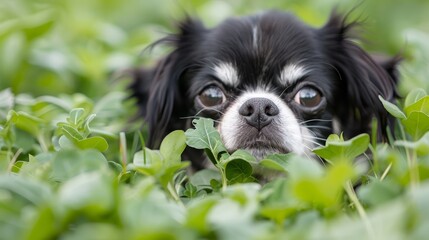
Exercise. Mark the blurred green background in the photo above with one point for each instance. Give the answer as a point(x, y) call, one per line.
point(49, 47)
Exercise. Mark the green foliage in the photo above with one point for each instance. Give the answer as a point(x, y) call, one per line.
point(67, 171)
point(65, 190)
point(50, 47)
point(235, 167)
point(337, 149)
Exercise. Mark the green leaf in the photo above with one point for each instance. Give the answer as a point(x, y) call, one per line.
point(190, 191)
point(82, 101)
point(76, 117)
point(152, 157)
point(96, 231)
point(414, 96)
point(24, 140)
point(70, 132)
point(56, 101)
point(87, 129)
point(238, 171)
point(25, 190)
point(26, 122)
point(6, 102)
point(299, 167)
point(172, 146)
point(417, 124)
point(277, 162)
point(5, 157)
point(205, 136)
point(46, 111)
point(216, 185)
point(197, 213)
point(37, 167)
point(91, 192)
point(96, 142)
point(324, 191)
point(421, 146)
point(167, 173)
point(378, 192)
point(231, 219)
point(279, 202)
point(422, 105)
point(43, 225)
point(69, 163)
point(392, 108)
point(337, 149)
point(202, 178)
point(151, 164)
point(65, 143)
point(241, 155)
point(246, 194)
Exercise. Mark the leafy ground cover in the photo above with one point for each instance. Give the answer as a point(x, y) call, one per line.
point(72, 165)
point(60, 180)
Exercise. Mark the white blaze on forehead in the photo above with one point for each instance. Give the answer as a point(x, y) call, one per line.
point(255, 36)
point(226, 73)
point(291, 73)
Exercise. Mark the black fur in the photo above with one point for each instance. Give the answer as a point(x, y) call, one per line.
point(362, 78)
point(350, 78)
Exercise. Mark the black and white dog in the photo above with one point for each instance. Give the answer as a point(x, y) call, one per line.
point(272, 84)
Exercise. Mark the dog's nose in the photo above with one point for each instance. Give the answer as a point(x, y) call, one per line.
point(258, 112)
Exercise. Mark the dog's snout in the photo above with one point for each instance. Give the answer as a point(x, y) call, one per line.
point(258, 112)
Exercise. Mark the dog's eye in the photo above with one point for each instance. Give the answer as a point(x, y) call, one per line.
point(211, 96)
point(308, 97)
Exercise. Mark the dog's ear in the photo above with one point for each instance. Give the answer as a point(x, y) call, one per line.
point(361, 78)
point(157, 89)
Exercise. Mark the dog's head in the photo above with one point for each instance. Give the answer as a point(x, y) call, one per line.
point(272, 83)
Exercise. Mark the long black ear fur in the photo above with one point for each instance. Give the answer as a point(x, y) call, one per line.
point(157, 89)
point(363, 78)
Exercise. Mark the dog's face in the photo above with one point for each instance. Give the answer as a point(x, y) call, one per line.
point(272, 83)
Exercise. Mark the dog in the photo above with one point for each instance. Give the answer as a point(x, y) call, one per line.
point(272, 84)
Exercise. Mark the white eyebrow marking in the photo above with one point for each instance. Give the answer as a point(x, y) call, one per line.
point(226, 73)
point(255, 36)
point(291, 73)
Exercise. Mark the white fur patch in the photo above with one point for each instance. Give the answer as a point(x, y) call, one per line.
point(291, 73)
point(290, 132)
point(226, 73)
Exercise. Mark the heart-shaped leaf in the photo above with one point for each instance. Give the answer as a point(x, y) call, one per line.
point(205, 136)
point(336, 149)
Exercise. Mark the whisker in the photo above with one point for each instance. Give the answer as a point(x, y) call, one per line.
point(310, 139)
point(189, 117)
point(199, 112)
point(196, 117)
point(285, 90)
point(312, 158)
point(210, 109)
point(312, 132)
point(315, 143)
point(319, 127)
point(316, 120)
point(313, 138)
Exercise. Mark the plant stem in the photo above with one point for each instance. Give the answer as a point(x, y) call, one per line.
point(123, 150)
point(224, 179)
point(361, 211)
point(414, 170)
point(173, 194)
point(385, 172)
point(411, 161)
point(13, 160)
point(42, 142)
